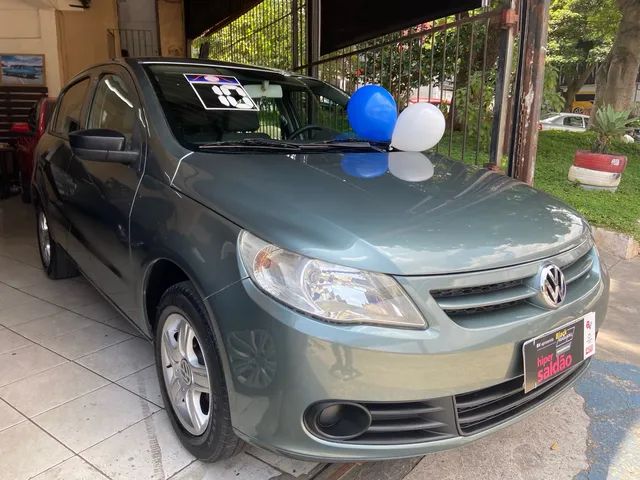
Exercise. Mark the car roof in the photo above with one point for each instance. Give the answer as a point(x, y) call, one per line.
point(569, 114)
point(204, 62)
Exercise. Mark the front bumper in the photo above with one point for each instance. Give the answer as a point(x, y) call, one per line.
point(278, 362)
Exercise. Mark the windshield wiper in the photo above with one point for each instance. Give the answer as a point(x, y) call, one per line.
point(356, 143)
point(252, 143)
point(280, 145)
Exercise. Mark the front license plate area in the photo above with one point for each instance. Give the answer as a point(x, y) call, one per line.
point(553, 353)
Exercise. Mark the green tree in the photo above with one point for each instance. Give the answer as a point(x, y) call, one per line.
point(618, 75)
point(581, 33)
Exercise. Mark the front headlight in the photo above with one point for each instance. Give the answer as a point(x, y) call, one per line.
point(326, 291)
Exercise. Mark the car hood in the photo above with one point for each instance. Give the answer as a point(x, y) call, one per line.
point(399, 213)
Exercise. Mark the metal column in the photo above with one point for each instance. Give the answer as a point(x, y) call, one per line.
point(509, 24)
point(528, 96)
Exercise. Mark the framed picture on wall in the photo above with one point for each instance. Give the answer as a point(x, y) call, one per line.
point(19, 69)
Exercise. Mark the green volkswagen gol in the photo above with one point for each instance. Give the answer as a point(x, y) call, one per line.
point(306, 291)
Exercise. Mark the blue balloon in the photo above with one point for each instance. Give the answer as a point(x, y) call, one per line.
point(365, 165)
point(372, 113)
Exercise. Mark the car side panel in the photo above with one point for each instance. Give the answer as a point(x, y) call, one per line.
point(52, 184)
point(165, 224)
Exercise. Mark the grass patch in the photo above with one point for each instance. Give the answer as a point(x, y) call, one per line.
point(618, 211)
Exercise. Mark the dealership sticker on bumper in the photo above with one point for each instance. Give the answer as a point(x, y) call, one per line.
point(553, 353)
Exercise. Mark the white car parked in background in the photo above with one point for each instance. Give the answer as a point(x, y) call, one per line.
point(569, 122)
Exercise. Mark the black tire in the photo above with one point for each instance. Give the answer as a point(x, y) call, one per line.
point(59, 265)
point(218, 441)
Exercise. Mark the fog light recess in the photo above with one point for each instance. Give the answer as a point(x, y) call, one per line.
point(338, 420)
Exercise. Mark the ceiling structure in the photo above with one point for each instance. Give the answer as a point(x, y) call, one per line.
point(337, 28)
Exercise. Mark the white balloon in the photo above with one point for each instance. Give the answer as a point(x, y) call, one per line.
point(419, 127)
point(410, 166)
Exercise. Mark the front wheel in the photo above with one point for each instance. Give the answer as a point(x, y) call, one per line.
point(55, 261)
point(191, 376)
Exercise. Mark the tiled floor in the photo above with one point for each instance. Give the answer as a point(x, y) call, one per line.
point(79, 398)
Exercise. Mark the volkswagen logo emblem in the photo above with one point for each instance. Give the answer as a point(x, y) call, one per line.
point(553, 287)
point(184, 371)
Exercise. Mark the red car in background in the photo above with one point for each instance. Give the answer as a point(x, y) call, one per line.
point(29, 134)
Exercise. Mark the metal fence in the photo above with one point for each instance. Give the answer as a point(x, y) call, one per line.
point(451, 62)
point(273, 34)
point(132, 43)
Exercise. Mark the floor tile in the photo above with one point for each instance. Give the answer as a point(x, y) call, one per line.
point(10, 341)
point(84, 341)
point(120, 360)
point(123, 324)
point(18, 274)
point(240, 467)
point(99, 311)
point(73, 469)
point(8, 416)
point(144, 383)
point(149, 449)
point(34, 308)
point(25, 252)
point(65, 293)
point(293, 467)
point(25, 362)
point(53, 325)
point(10, 297)
point(48, 389)
point(25, 450)
point(88, 420)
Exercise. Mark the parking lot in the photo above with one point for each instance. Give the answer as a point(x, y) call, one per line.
point(79, 397)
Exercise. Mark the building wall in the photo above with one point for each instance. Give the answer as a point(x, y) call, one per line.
point(138, 19)
point(25, 29)
point(84, 36)
point(171, 28)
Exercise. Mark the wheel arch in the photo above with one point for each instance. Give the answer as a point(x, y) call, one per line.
point(162, 273)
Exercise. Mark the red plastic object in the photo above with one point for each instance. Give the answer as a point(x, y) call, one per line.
point(19, 127)
point(601, 162)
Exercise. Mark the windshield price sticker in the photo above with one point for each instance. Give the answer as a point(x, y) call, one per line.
point(220, 92)
point(551, 354)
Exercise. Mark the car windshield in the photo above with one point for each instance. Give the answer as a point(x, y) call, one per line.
point(226, 106)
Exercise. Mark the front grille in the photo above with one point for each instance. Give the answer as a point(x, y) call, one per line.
point(509, 299)
point(482, 409)
point(404, 423)
point(411, 422)
point(475, 290)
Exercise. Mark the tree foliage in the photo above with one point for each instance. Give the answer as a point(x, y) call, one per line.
point(552, 100)
point(581, 33)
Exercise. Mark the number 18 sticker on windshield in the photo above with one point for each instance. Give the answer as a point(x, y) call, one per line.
point(220, 92)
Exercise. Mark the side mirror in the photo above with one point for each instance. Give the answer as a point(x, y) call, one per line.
point(101, 145)
point(20, 127)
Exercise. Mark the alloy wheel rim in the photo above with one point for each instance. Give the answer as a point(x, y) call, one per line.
point(185, 374)
point(44, 239)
